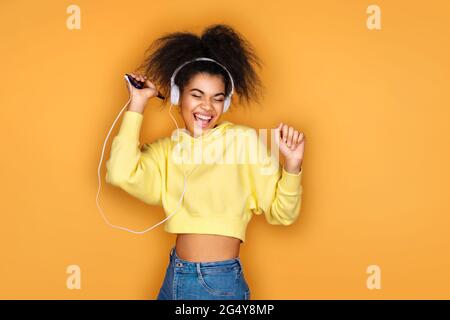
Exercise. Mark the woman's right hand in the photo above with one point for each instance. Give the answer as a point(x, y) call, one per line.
point(139, 97)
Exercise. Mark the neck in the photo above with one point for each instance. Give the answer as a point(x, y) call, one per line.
point(202, 132)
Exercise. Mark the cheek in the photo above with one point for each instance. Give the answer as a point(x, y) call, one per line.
point(186, 114)
point(219, 108)
point(188, 104)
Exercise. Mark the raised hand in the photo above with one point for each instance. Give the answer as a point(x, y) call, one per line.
point(139, 97)
point(292, 146)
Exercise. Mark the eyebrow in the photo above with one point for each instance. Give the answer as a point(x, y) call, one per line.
point(217, 94)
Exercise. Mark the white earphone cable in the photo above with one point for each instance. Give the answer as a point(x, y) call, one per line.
point(99, 179)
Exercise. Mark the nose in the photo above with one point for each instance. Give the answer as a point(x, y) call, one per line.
point(206, 106)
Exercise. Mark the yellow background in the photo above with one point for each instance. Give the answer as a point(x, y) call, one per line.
point(374, 106)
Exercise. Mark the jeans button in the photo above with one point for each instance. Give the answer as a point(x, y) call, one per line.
point(179, 264)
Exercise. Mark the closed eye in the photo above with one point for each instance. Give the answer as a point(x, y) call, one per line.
point(200, 97)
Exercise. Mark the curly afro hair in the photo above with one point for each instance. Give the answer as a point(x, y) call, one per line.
point(219, 42)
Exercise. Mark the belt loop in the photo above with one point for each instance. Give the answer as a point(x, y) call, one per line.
point(172, 254)
point(199, 272)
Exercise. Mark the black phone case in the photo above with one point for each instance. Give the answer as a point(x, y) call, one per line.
point(139, 85)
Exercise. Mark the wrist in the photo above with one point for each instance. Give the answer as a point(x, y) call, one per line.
point(293, 166)
point(135, 108)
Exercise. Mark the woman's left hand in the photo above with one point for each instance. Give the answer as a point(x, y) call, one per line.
point(292, 146)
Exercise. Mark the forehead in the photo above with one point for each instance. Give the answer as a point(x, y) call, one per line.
point(207, 82)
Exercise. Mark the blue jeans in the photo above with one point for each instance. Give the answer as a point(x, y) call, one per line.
point(216, 280)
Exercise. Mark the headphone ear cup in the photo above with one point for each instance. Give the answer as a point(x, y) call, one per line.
point(174, 94)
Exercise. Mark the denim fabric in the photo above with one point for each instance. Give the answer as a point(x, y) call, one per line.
point(215, 280)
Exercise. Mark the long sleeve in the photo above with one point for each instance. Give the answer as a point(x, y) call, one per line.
point(136, 171)
point(278, 194)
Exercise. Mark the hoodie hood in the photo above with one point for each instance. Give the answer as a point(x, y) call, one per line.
point(188, 148)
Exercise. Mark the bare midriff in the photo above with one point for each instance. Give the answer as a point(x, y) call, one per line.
point(206, 247)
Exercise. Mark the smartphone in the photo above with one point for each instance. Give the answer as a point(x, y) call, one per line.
point(138, 84)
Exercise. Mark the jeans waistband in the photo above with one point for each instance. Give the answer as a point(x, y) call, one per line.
point(193, 266)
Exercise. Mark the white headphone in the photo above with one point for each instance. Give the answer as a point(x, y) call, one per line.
point(175, 90)
point(174, 99)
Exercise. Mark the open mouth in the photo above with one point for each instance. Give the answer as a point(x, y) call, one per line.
point(202, 119)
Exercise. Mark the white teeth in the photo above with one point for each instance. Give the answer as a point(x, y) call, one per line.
point(199, 116)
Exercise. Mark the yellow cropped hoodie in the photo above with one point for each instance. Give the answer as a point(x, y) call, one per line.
point(227, 185)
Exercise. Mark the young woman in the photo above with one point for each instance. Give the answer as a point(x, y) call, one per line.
point(219, 198)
